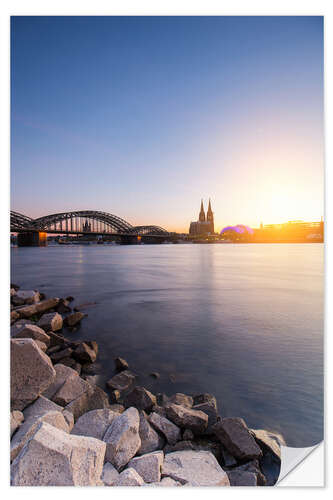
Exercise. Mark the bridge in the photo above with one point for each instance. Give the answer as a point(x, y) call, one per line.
point(82, 222)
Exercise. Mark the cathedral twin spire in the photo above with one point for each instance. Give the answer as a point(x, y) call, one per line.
point(210, 215)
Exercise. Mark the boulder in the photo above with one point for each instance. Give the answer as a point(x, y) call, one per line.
point(122, 381)
point(41, 345)
point(74, 318)
point(18, 326)
point(110, 474)
point(269, 441)
point(194, 468)
point(31, 372)
point(67, 361)
point(54, 418)
point(242, 478)
point(28, 296)
point(181, 399)
point(196, 445)
point(188, 435)
point(129, 477)
point(68, 416)
point(62, 373)
point(236, 438)
point(160, 410)
point(150, 439)
point(52, 457)
point(162, 399)
point(16, 419)
point(187, 418)
point(63, 306)
point(84, 353)
point(121, 364)
point(14, 286)
point(14, 316)
point(114, 396)
point(50, 322)
point(167, 428)
point(140, 398)
point(94, 423)
point(56, 339)
point(117, 408)
point(38, 308)
point(122, 438)
point(93, 399)
point(72, 388)
point(210, 408)
point(254, 467)
point(63, 353)
point(228, 460)
point(149, 466)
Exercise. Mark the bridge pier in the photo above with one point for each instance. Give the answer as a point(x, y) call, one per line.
point(126, 239)
point(31, 239)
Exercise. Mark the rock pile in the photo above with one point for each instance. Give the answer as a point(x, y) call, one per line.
point(66, 430)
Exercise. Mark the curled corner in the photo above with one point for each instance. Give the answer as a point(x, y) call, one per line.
point(292, 457)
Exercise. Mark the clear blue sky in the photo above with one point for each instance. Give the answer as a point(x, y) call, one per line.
point(144, 116)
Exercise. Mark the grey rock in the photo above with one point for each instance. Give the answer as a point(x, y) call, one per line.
point(73, 388)
point(62, 374)
point(31, 372)
point(194, 468)
point(50, 322)
point(16, 419)
point(122, 438)
point(149, 466)
point(140, 398)
point(150, 439)
point(160, 410)
point(54, 418)
point(242, 478)
point(63, 353)
point(94, 423)
point(121, 364)
point(122, 381)
point(117, 408)
point(110, 474)
point(187, 418)
point(196, 445)
point(181, 399)
point(162, 399)
point(269, 441)
point(14, 316)
point(32, 332)
point(68, 416)
point(93, 399)
point(237, 439)
point(210, 408)
point(84, 353)
point(18, 326)
point(52, 457)
point(28, 296)
point(167, 428)
point(74, 318)
point(228, 460)
point(41, 345)
point(188, 435)
point(129, 477)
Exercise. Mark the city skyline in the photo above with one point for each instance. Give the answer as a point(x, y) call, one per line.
point(143, 117)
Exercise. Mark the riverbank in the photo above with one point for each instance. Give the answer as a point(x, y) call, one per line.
point(124, 434)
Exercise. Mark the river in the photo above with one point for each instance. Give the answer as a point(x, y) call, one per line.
point(244, 322)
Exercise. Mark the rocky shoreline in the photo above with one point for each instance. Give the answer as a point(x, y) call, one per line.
point(67, 430)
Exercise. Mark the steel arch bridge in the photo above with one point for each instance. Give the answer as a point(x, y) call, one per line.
point(83, 222)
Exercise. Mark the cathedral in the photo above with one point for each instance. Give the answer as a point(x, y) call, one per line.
point(205, 224)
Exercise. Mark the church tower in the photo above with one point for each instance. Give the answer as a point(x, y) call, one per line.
point(202, 217)
point(210, 217)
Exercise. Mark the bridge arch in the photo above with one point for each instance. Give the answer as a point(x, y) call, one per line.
point(82, 220)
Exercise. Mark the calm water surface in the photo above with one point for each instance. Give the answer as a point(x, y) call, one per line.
point(244, 322)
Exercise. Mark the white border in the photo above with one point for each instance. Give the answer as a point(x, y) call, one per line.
point(143, 7)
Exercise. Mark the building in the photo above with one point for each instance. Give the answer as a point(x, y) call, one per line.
point(205, 225)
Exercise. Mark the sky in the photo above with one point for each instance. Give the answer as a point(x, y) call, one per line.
point(144, 116)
